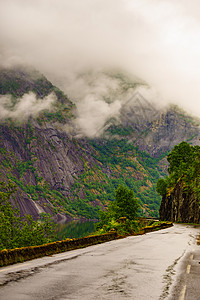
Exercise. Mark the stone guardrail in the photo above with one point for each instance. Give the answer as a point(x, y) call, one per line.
point(8, 257)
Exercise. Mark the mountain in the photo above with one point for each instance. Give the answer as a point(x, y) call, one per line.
point(59, 171)
point(153, 130)
point(144, 123)
point(37, 154)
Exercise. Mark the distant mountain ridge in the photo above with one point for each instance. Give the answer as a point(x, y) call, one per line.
point(69, 177)
point(157, 130)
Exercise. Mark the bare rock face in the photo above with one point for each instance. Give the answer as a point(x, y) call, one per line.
point(46, 160)
point(39, 155)
point(51, 159)
point(180, 206)
point(154, 130)
point(158, 131)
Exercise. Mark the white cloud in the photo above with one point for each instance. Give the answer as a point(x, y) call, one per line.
point(158, 41)
point(93, 114)
point(25, 107)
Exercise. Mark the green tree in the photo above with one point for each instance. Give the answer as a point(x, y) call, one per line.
point(16, 231)
point(121, 213)
point(181, 157)
point(161, 187)
point(184, 165)
point(125, 204)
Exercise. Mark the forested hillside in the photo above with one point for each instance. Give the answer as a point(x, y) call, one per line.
point(58, 171)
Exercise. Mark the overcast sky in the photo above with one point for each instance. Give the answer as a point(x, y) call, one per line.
point(156, 40)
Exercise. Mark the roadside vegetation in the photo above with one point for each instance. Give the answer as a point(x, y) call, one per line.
point(184, 165)
point(121, 216)
point(17, 231)
point(121, 213)
point(17, 234)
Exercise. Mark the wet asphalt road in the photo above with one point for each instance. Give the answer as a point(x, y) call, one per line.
point(159, 265)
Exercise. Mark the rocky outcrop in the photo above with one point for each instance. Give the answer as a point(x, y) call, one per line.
point(48, 162)
point(158, 131)
point(180, 206)
point(39, 155)
point(49, 158)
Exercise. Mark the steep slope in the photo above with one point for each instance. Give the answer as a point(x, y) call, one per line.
point(154, 130)
point(180, 206)
point(44, 163)
point(120, 163)
point(180, 189)
point(43, 160)
point(67, 176)
point(141, 119)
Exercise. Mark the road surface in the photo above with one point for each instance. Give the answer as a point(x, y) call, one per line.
point(158, 265)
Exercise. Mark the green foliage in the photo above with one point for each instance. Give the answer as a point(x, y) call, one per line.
point(16, 231)
point(129, 167)
point(23, 166)
point(61, 113)
point(120, 130)
point(121, 213)
point(122, 228)
point(184, 165)
point(161, 187)
point(180, 158)
point(125, 205)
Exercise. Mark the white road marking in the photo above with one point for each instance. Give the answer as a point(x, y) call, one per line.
point(188, 269)
point(182, 295)
point(191, 256)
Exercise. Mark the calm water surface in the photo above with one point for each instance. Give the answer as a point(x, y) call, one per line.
point(74, 229)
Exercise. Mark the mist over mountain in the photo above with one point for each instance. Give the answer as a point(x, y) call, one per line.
point(94, 94)
point(154, 40)
point(61, 168)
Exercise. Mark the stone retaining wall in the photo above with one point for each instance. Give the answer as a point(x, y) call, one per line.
point(8, 257)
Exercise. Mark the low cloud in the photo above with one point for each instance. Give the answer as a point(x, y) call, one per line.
point(93, 114)
point(158, 41)
point(25, 107)
point(105, 96)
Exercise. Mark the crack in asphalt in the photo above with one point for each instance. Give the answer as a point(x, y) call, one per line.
point(22, 274)
point(168, 277)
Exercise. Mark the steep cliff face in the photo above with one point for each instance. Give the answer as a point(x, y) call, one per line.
point(169, 128)
point(39, 154)
point(58, 173)
point(44, 163)
point(180, 206)
point(157, 131)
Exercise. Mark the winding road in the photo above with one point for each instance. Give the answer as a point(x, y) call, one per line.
point(158, 265)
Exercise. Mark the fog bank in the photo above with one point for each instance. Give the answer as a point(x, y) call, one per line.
point(157, 41)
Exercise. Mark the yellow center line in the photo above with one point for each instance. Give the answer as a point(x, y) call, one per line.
point(182, 295)
point(188, 269)
point(191, 256)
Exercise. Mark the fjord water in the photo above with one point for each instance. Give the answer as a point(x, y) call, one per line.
point(74, 229)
